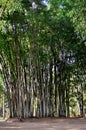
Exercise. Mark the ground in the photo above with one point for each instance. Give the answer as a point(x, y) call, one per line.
point(44, 124)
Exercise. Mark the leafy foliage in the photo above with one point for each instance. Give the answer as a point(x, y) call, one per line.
point(43, 56)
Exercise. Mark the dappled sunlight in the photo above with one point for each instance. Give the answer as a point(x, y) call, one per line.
point(11, 127)
point(45, 124)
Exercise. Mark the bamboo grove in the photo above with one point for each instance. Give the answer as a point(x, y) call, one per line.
point(43, 57)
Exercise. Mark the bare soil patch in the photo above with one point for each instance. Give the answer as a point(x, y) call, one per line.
point(44, 124)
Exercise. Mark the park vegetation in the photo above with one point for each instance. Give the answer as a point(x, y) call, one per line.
point(43, 57)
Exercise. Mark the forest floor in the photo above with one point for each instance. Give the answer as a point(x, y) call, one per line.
point(44, 124)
